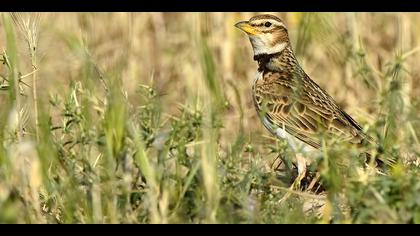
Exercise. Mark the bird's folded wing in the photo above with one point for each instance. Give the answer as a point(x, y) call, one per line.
point(305, 112)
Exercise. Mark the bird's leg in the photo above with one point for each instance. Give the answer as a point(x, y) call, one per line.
point(301, 166)
point(314, 181)
point(277, 163)
point(300, 160)
point(283, 169)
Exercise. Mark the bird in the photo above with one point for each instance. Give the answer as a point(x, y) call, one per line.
point(290, 104)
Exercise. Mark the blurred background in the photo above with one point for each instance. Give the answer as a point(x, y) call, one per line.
point(345, 53)
point(188, 61)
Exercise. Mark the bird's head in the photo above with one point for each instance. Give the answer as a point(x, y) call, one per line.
point(267, 33)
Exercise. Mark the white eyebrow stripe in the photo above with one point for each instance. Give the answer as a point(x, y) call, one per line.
point(281, 24)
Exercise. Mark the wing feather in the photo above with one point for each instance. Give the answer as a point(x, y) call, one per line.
point(303, 109)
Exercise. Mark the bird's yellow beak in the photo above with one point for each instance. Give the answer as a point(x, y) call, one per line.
point(246, 27)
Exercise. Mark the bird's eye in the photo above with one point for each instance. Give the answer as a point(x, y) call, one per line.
point(267, 24)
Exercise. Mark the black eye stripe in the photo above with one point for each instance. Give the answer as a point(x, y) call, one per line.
point(274, 26)
point(258, 25)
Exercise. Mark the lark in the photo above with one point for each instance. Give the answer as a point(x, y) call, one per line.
point(290, 104)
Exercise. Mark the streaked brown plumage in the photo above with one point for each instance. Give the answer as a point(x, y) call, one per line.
point(292, 99)
point(284, 95)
